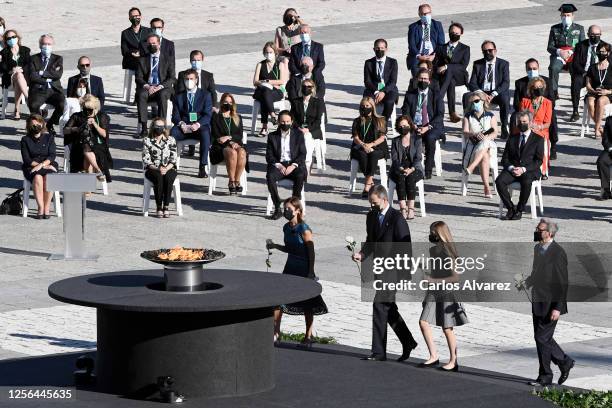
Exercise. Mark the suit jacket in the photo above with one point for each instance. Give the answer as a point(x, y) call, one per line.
point(371, 79)
point(297, 148)
point(394, 227)
point(131, 42)
point(202, 105)
point(531, 158)
point(502, 75)
point(415, 152)
point(581, 53)
point(520, 91)
point(53, 71)
point(415, 35)
point(606, 138)
point(312, 116)
point(95, 82)
point(166, 71)
point(167, 48)
point(548, 280)
point(294, 86)
point(457, 63)
point(435, 106)
point(207, 82)
point(317, 55)
point(7, 63)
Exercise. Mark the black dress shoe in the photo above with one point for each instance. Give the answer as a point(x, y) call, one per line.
point(232, 189)
point(239, 188)
point(428, 175)
point(509, 214)
point(429, 365)
point(406, 350)
point(142, 134)
point(556, 95)
point(539, 383)
point(277, 214)
point(553, 153)
point(449, 370)
point(202, 172)
point(443, 139)
point(605, 195)
point(565, 372)
point(517, 215)
point(575, 117)
point(374, 357)
point(191, 151)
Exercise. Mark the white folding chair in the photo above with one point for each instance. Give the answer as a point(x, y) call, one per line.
point(421, 189)
point(146, 196)
point(310, 148)
point(493, 166)
point(66, 158)
point(393, 119)
point(5, 99)
point(437, 159)
point(128, 77)
point(212, 177)
point(320, 146)
point(180, 145)
point(27, 186)
point(288, 184)
point(586, 118)
point(382, 169)
point(278, 106)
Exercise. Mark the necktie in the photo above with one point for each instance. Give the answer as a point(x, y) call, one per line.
point(190, 100)
point(381, 218)
point(424, 113)
point(307, 50)
point(593, 55)
point(522, 144)
point(45, 61)
point(155, 73)
point(380, 70)
point(490, 74)
point(426, 32)
point(451, 48)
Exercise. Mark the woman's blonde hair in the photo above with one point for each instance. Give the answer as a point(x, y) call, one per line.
point(376, 118)
point(486, 106)
point(532, 85)
point(166, 130)
point(234, 111)
point(441, 230)
point(314, 86)
point(91, 102)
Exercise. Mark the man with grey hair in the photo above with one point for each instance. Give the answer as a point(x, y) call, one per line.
point(386, 224)
point(548, 282)
point(521, 162)
point(294, 85)
point(45, 71)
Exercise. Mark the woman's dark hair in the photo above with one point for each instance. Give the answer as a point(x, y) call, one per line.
point(297, 204)
point(604, 46)
point(5, 39)
point(290, 9)
point(404, 118)
point(35, 117)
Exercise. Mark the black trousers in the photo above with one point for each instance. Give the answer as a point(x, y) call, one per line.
point(548, 349)
point(406, 185)
point(38, 97)
point(162, 186)
point(453, 77)
point(273, 175)
point(388, 102)
point(266, 99)
point(604, 161)
point(160, 97)
point(578, 82)
point(506, 178)
point(368, 162)
point(383, 313)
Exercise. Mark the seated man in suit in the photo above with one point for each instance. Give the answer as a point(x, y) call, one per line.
point(133, 41)
point(424, 36)
point(585, 55)
point(154, 81)
point(93, 83)
point(605, 160)
point(191, 114)
point(532, 66)
point(380, 78)
point(45, 72)
point(286, 158)
point(166, 46)
point(450, 67)
point(294, 85)
point(491, 75)
point(426, 109)
point(523, 156)
point(307, 48)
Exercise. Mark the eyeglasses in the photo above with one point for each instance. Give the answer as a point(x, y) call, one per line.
point(11, 37)
point(84, 65)
point(488, 50)
point(307, 87)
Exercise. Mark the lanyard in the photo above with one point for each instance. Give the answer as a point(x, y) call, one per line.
point(365, 129)
point(228, 124)
point(190, 100)
point(421, 101)
point(275, 71)
point(602, 79)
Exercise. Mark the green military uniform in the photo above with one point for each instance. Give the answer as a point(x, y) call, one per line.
point(561, 37)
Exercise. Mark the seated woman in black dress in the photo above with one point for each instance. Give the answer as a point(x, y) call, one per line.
point(87, 134)
point(599, 86)
point(307, 111)
point(38, 154)
point(226, 143)
point(406, 166)
point(14, 62)
point(369, 142)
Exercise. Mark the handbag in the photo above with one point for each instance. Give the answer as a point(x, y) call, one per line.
point(12, 204)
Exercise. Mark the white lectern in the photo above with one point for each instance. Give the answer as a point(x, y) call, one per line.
point(73, 185)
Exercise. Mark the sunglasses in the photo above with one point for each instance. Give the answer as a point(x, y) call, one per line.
point(11, 37)
point(307, 86)
point(489, 50)
point(84, 65)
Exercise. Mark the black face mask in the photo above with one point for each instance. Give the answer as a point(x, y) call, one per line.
point(488, 56)
point(34, 129)
point(226, 107)
point(594, 39)
point(523, 127)
point(379, 53)
point(284, 127)
point(454, 37)
point(422, 85)
point(84, 72)
point(158, 130)
point(363, 111)
point(135, 20)
point(433, 238)
point(403, 130)
point(288, 20)
point(538, 91)
point(537, 236)
point(88, 112)
point(602, 56)
point(304, 69)
point(306, 90)
point(288, 214)
point(153, 49)
point(374, 209)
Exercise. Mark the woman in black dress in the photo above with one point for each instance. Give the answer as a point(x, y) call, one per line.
point(599, 86)
point(227, 132)
point(269, 80)
point(87, 134)
point(406, 166)
point(14, 61)
point(38, 155)
point(369, 134)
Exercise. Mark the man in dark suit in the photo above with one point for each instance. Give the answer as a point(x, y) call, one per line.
point(426, 108)
point(380, 78)
point(523, 156)
point(286, 158)
point(191, 114)
point(585, 55)
point(424, 36)
point(154, 82)
point(532, 67)
point(384, 224)
point(294, 85)
point(133, 41)
point(450, 67)
point(307, 48)
point(604, 161)
point(93, 83)
point(492, 76)
point(166, 46)
point(45, 72)
point(549, 282)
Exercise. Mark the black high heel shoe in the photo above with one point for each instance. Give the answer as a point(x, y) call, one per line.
point(454, 369)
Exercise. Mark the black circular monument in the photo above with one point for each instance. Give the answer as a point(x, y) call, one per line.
point(214, 342)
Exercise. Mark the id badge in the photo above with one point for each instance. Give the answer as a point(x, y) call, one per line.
point(282, 88)
point(381, 85)
point(418, 118)
point(193, 117)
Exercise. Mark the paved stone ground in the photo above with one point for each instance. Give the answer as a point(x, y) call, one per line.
point(499, 335)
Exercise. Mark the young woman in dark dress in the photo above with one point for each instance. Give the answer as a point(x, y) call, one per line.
point(599, 85)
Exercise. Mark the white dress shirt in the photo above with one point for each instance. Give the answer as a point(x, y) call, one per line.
point(426, 45)
point(285, 146)
point(490, 86)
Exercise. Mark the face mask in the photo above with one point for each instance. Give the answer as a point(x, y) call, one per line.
point(305, 37)
point(404, 130)
point(153, 49)
point(379, 53)
point(12, 42)
point(364, 111)
point(35, 128)
point(158, 32)
point(284, 127)
point(454, 37)
point(426, 19)
point(270, 57)
point(88, 112)
point(288, 20)
point(422, 85)
point(189, 84)
point(533, 73)
point(538, 91)
point(306, 90)
point(197, 65)
point(523, 127)
point(488, 56)
point(594, 39)
point(81, 92)
point(375, 209)
point(537, 236)
point(288, 214)
point(567, 21)
point(601, 56)
point(226, 107)
point(46, 50)
point(84, 72)
point(305, 69)
point(477, 106)
point(433, 238)
point(135, 20)
point(158, 130)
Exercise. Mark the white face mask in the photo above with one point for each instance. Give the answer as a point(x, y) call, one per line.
point(566, 20)
point(270, 56)
point(190, 84)
point(81, 91)
point(305, 37)
point(159, 33)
